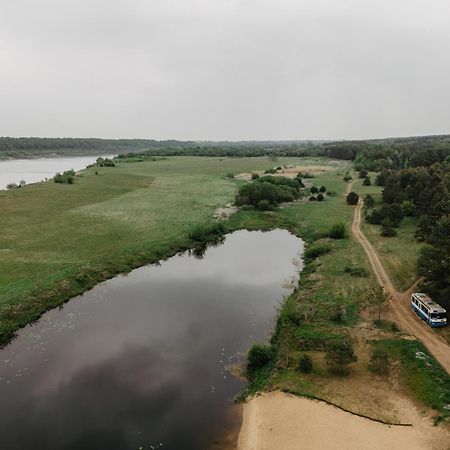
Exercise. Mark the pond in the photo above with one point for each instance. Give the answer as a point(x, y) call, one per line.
point(143, 361)
point(34, 170)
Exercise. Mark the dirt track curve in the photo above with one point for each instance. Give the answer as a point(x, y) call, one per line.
point(399, 308)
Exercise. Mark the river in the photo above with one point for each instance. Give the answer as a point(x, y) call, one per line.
point(34, 170)
point(142, 361)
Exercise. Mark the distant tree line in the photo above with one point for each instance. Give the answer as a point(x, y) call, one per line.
point(233, 150)
point(34, 147)
point(373, 155)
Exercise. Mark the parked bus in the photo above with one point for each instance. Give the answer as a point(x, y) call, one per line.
point(433, 314)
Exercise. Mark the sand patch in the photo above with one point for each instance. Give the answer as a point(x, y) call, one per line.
point(281, 421)
point(289, 171)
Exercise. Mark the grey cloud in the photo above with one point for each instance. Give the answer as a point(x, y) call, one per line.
point(224, 69)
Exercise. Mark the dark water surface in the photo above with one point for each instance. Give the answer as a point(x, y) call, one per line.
point(141, 360)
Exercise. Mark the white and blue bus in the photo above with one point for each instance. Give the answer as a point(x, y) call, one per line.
point(429, 311)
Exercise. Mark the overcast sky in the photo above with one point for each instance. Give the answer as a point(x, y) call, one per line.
point(224, 69)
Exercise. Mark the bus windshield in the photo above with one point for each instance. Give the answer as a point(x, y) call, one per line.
point(437, 315)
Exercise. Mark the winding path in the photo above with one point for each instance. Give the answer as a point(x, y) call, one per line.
point(399, 304)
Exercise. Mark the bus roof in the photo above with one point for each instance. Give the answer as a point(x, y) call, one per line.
point(432, 306)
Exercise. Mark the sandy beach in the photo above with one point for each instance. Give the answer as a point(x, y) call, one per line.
point(281, 421)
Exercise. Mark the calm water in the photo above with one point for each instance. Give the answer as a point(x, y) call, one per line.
point(141, 361)
point(34, 170)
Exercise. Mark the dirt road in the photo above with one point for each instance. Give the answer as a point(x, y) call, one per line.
point(399, 308)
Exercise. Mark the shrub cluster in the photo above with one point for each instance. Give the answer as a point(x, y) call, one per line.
point(267, 192)
point(393, 212)
point(206, 232)
point(66, 177)
point(316, 250)
point(338, 231)
point(105, 162)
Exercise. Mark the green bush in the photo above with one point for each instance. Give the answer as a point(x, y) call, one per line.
point(66, 177)
point(408, 208)
point(366, 181)
point(338, 231)
point(316, 250)
point(259, 356)
point(393, 212)
point(387, 228)
point(230, 175)
point(206, 232)
point(314, 190)
point(352, 198)
point(105, 162)
point(322, 189)
point(255, 176)
point(312, 198)
point(264, 205)
point(320, 197)
point(274, 190)
point(305, 364)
